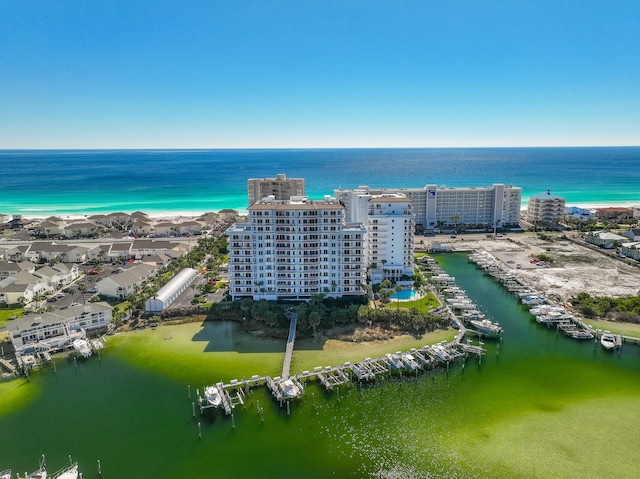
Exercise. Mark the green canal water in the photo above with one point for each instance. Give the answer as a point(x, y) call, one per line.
point(544, 407)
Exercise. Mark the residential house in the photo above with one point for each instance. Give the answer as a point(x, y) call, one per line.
point(9, 268)
point(81, 229)
point(18, 253)
point(128, 282)
point(11, 292)
point(158, 260)
point(23, 284)
point(101, 220)
point(120, 251)
point(631, 250)
point(44, 251)
point(604, 239)
point(228, 214)
point(633, 233)
point(119, 220)
point(166, 228)
point(209, 219)
point(141, 226)
point(99, 253)
point(51, 227)
point(614, 213)
point(189, 227)
point(56, 330)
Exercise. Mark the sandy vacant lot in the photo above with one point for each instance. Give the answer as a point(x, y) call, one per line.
point(575, 268)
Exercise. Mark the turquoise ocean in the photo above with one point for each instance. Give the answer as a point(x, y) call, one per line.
point(74, 182)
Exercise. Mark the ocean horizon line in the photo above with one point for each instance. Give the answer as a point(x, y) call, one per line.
point(311, 148)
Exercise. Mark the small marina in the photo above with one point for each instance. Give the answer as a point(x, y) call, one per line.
point(454, 304)
point(545, 310)
point(428, 358)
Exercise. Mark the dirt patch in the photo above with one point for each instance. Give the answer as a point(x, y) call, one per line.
point(574, 269)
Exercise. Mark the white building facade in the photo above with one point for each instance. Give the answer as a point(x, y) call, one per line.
point(497, 206)
point(294, 249)
point(170, 291)
point(390, 233)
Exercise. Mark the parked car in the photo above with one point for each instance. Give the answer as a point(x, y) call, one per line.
point(92, 272)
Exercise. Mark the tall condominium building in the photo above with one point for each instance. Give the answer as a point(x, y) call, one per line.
point(280, 187)
point(545, 208)
point(390, 231)
point(295, 248)
point(441, 207)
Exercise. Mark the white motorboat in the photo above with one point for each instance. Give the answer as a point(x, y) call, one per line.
point(82, 347)
point(580, 334)
point(213, 395)
point(486, 327)
point(441, 352)
point(289, 389)
point(68, 473)
point(608, 340)
point(5, 474)
point(39, 474)
point(394, 360)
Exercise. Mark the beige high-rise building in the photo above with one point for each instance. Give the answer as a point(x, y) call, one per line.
point(545, 209)
point(294, 249)
point(280, 187)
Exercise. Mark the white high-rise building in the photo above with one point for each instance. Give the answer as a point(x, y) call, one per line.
point(280, 187)
point(390, 232)
point(294, 249)
point(449, 208)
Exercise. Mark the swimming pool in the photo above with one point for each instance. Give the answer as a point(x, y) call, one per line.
point(404, 294)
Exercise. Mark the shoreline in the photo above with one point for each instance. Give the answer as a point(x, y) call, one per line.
point(163, 215)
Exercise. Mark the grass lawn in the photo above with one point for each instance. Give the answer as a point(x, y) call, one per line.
point(626, 329)
point(427, 303)
point(6, 314)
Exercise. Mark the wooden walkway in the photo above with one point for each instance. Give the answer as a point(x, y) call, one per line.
point(286, 365)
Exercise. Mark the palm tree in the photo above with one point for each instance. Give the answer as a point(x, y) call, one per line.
point(455, 220)
point(82, 288)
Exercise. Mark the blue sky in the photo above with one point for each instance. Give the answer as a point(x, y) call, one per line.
point(247, 74)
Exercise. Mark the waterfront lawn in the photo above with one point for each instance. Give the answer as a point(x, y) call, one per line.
point(7, 314)
point(426, 303)
point(626, 329)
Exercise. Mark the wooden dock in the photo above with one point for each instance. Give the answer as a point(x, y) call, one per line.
point(286, 365)
point(8, 365)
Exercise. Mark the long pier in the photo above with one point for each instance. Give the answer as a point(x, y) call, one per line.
point(332, 377)
point(286, 365)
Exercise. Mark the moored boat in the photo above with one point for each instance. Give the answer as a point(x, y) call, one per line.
point(82, 347)
point(580, 334)
point(289, 389)
point(213, 395)
point(6, 474)
point(68, 473)
point(441, 352)
point(486, 327)
point(608, 340)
